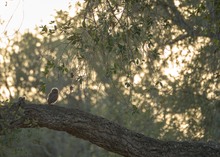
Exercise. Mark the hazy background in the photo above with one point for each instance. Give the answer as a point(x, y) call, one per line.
point(148, 72)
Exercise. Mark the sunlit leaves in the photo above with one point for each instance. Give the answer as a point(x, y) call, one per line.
point(49, 30)
point(112, 70)
point(51, 22)
point(62, 68)
point(74, 38)
point(42, 86)
point(159, 83)
point(50, 65)
point(155, 54)
point(127, 84)
point(79, 79)
point(166, 24)
point(201, 8)
point(44, 29)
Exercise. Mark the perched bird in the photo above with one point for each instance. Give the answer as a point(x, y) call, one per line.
point(53, 96)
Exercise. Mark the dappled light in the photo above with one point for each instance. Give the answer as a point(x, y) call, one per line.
point(134, 63)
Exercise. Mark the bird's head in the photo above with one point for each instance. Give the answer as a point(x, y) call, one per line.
point(54, 90)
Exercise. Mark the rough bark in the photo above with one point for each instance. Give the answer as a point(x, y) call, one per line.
point(101, 132)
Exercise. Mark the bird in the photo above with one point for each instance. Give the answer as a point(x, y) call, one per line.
point(53, 96)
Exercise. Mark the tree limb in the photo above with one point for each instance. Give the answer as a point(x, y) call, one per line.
point(102, 132)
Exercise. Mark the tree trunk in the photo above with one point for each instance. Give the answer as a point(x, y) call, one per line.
point(101, 132)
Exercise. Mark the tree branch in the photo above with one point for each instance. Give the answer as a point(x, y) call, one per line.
point(102, 132)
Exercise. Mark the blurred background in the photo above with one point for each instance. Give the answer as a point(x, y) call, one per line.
point(153, 67)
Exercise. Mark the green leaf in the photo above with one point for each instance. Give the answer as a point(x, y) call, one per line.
point(127, 84)
point(51, 22)
point(44, 29)
point(43, 87)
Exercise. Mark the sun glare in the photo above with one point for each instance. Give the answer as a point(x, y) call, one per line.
point(1, 59)
point(21, 15)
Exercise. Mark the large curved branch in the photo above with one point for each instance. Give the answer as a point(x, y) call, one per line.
point(102, 132)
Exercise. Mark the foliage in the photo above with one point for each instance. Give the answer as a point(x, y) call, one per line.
point(152, 66)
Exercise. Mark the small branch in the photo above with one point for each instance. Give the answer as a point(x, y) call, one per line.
point(179, 38)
